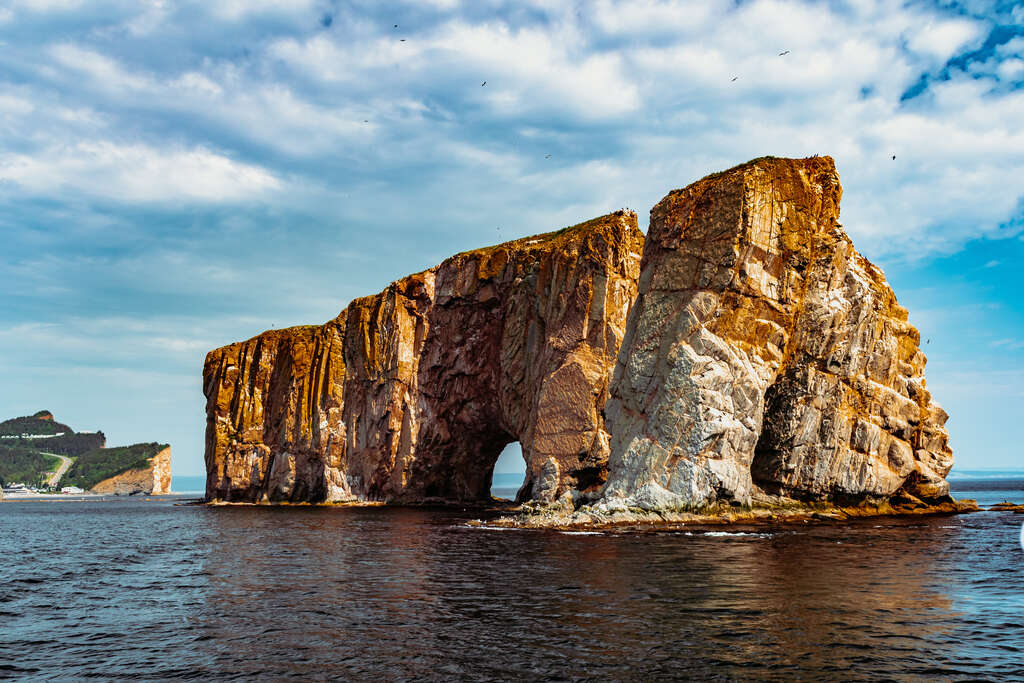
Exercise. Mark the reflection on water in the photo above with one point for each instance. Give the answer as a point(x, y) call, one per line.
point(135, 589)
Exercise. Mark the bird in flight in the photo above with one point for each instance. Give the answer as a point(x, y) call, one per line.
point(894, 157)
point(547, 156)
point(483, 84)
point(784, 53)
point(401, 40)
point(734, 78)
point(396, 25)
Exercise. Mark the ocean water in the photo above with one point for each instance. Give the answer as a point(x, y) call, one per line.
point(155, 590)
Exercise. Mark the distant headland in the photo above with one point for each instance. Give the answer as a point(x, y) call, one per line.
point(40, 456)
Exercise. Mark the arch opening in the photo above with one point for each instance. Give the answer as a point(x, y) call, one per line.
point(509, 472)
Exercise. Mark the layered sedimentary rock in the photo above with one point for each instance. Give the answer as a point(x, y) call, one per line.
point(765, 357)
point(410, 395)
point(154, 479)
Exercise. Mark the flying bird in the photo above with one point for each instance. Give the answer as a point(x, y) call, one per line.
point(784, 53)
point(894, 157)
point(396, 25)
point(734, 78)
point(547, 156)
point(401, 40)
point(483, 84)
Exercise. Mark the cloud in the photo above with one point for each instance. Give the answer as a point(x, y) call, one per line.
point(941, 39)
point(137, 173)
point(236, 10)
point(526, 69)
point(104, 70)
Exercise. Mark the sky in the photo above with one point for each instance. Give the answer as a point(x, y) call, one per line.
point(178, 176)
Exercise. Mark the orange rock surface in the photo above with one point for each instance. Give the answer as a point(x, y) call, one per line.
point(411, 394)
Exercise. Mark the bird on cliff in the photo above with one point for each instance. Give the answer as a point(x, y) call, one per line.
point(784, 53)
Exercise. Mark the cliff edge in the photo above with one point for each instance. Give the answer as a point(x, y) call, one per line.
point(153, 479)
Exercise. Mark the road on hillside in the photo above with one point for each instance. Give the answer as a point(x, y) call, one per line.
point(64, 465)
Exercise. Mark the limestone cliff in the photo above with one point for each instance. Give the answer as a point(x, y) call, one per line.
point(411, 394)
point(154, 479)
point(766, 357)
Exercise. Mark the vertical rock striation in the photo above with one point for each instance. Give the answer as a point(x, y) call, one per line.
point(411, 394)
point(766, 357)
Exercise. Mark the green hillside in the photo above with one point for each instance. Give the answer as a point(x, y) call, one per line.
point(71, 445)
point(22, 465)
point(40, 423)
point(93, 467)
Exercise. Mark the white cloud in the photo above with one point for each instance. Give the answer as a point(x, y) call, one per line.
point(236, 10)
point(48, 5)
point(941, 39)
point(526, 70)
point(105, 71)
point(137, 173)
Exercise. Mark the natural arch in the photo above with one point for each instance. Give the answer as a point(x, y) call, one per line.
point(410, 395)
point(509, 472)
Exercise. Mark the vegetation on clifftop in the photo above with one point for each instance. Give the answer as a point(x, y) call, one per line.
point(71, 445)
point(102, 463)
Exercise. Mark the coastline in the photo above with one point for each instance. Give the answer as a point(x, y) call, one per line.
point(555, 518)
point(591, 519)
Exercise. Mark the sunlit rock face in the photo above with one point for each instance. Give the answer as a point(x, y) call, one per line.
point(411, 394)
point(765, 356)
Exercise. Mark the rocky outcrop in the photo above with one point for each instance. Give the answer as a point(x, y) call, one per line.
point(765, 359)
point(410, 395)
point(764, 363)
point(152, 480)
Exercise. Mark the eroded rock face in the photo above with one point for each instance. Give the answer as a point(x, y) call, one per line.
point(152, 480)
point(764, 355)
point(411, 394)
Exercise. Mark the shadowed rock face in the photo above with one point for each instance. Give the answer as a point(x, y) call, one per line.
point(764, 355)
point(410, 395)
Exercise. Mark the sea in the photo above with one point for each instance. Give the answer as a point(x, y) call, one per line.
point(161, 589)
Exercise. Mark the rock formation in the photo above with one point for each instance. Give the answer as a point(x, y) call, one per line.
point(764, 361)
point(766, 357)
point(410, 395)
point(152, 480)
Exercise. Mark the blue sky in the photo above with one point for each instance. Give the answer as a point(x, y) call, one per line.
point(177, 176)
